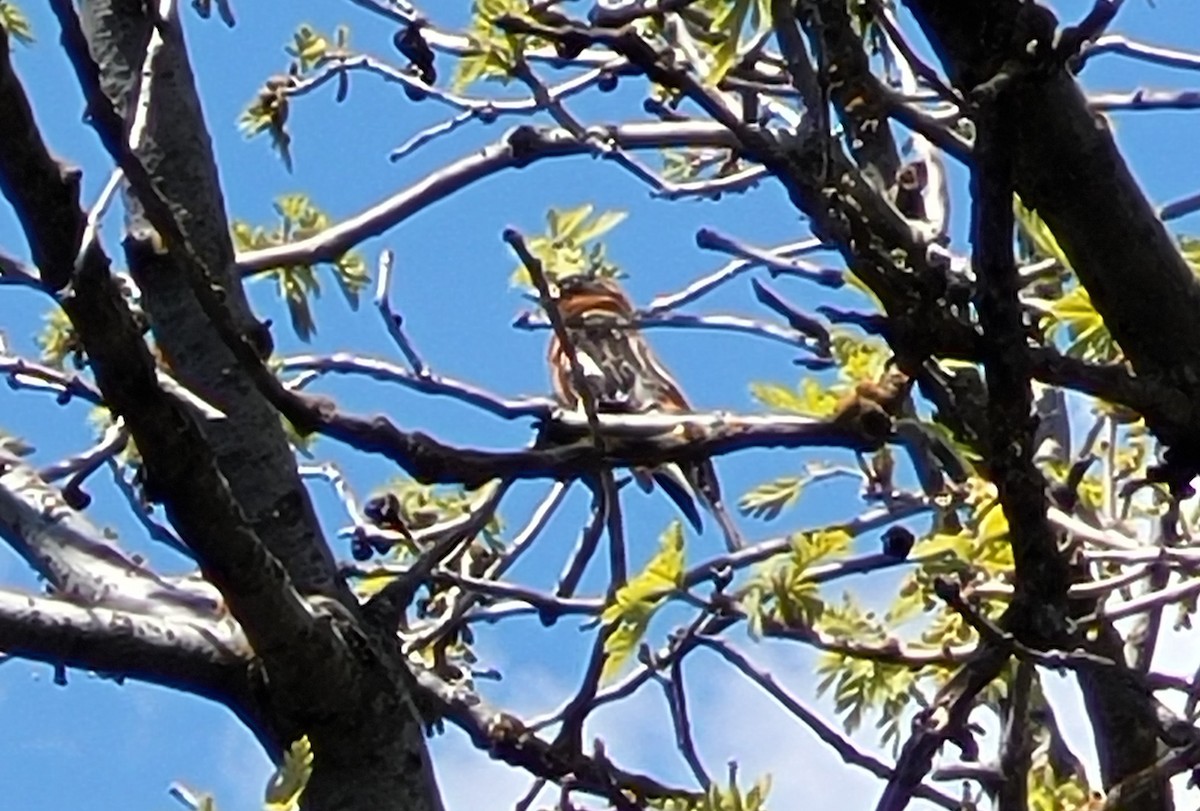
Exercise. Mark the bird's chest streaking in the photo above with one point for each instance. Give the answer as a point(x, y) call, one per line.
point(621, 370)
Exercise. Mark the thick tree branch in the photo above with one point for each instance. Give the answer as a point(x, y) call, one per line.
point(208, 658)
point(1068, 169)
point(517, 149)
point(77, 559)
point(251, 449)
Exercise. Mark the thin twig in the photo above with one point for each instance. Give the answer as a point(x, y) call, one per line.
point(676, 695)
point(725, 273)
point(585, 548)
point(550, 305)
point(393, 321)
point(844, 748)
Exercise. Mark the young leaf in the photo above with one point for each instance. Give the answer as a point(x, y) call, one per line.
point(768, 500)
point(634, 603)
point(289, 780)
point(14, 21)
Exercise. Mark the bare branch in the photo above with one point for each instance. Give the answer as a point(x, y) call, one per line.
point(203, 656)
point(518, 149)
point(845, 749)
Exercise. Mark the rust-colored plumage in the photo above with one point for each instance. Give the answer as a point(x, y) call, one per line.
point(625, 376)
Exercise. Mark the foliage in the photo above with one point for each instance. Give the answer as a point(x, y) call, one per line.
point(14, 21)
point(286, 786)
point(633, 606)
point(769, 499)
point(495, 52)
point(782, 592)
point(424, 505)
point(58, 340)
point(571, 244)
point(1070, 312)
point(881, 655)
point(299, 219)
point(729, 19)
point(857, 359)
point(718, 798)
point(268, 112)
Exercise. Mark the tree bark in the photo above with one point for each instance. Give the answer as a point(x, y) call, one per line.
point(252, 450)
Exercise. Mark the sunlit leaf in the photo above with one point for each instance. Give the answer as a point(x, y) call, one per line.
point(58, 339)
point(300, 218)
point(809, 400)
point(14, 21)
point(1088, 336)
point(1038, 233)
point(768, 500)
point(634, 604)
point(570, 244)
point(289, 780)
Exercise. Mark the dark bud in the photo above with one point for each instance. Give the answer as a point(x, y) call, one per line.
point(910, 183)
point(360, 549)
point(415, 93)
point(75, 497)
point(570, 46)
point(525, 143)
point(607, 82)
point(383, 511)
point(897, 542)
point(259, 337)
point(414, 47)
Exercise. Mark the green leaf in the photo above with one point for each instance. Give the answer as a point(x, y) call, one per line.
point(1038, 232)
point(810, 400)
point(310, 47)
point(1088, 336)
point(58, 339)
point(570, 245)
point(634, 603)
point(352, 277)
point(600, 225)
point(768, 500)
point(859, 359)
point(300, 218)
point(296, 284)
point(728, 26)
point(269, 113)
point(493, 52)
point(563, 224)
point(14, 21)
point(290, 779)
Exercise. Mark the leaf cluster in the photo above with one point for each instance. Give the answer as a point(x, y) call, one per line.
point(571, 245)
point(15, 23)
point(722, 798)
point(299, 218)
point(629, 613)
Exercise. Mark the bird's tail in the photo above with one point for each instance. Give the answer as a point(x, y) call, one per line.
point(685, 490)
point(677, 487)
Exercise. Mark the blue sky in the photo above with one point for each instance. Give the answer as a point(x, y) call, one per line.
point(101, 746)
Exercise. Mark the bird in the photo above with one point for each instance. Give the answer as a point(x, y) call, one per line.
point(626, 377)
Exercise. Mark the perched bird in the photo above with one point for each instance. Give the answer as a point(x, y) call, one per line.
point(625, 377)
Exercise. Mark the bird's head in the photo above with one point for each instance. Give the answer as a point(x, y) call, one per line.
point(582, 293)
